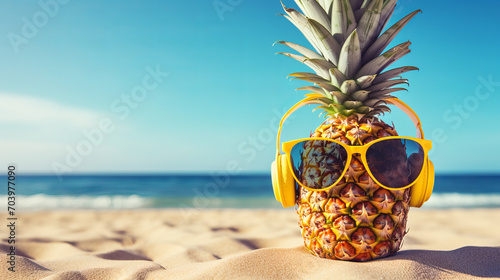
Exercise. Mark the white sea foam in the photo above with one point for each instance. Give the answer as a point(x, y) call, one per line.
point(42, 201)
point(460, 200)
point(47, 202)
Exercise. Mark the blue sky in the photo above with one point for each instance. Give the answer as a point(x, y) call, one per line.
point(179, 86)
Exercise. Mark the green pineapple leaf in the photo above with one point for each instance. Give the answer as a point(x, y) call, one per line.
point(385, 39)
point(366, 81)
point(385, 15)
point(378, 64)
point(312, 9)
point(393, 73)
point(350, 56)
point(337, 77)
point(329, 46)
point(387, 84)
point(368, 24)
point(302, 50)
point(343, 20)
point(360, 95)
point(349, 87)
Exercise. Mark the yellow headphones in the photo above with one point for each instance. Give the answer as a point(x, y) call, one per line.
point(284, 183)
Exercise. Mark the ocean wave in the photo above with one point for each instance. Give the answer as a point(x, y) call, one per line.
point(461, 200)
point(50, 202)
point(43, 201)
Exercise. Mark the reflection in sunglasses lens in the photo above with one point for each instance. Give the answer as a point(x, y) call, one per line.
point(395, 163)
point(318, 164)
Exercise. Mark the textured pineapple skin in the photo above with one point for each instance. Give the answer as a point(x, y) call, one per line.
point(357, 219)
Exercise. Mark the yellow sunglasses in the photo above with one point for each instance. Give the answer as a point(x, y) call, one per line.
point(394, 163)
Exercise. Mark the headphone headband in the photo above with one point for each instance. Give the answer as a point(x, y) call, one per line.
point(410, 113)
point(394, 101)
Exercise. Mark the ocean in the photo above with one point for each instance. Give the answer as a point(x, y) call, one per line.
point(46, 192)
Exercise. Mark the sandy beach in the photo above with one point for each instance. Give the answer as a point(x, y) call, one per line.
point(237, 244)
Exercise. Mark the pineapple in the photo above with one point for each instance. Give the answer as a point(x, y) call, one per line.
point(356, 219)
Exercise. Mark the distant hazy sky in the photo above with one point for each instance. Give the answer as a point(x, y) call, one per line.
point(176, 86)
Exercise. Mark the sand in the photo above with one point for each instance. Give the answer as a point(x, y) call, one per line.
point(237, 244)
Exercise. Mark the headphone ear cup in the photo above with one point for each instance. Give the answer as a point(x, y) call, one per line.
point(287, 189)
point(275, 180)
point(430, 180)
point(283, 182)
point(422, 189)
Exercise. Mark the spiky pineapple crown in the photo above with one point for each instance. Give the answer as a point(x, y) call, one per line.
point(348, 61)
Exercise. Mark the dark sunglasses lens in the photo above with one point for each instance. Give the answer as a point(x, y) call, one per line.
point(318, 164)
point(395, 163)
